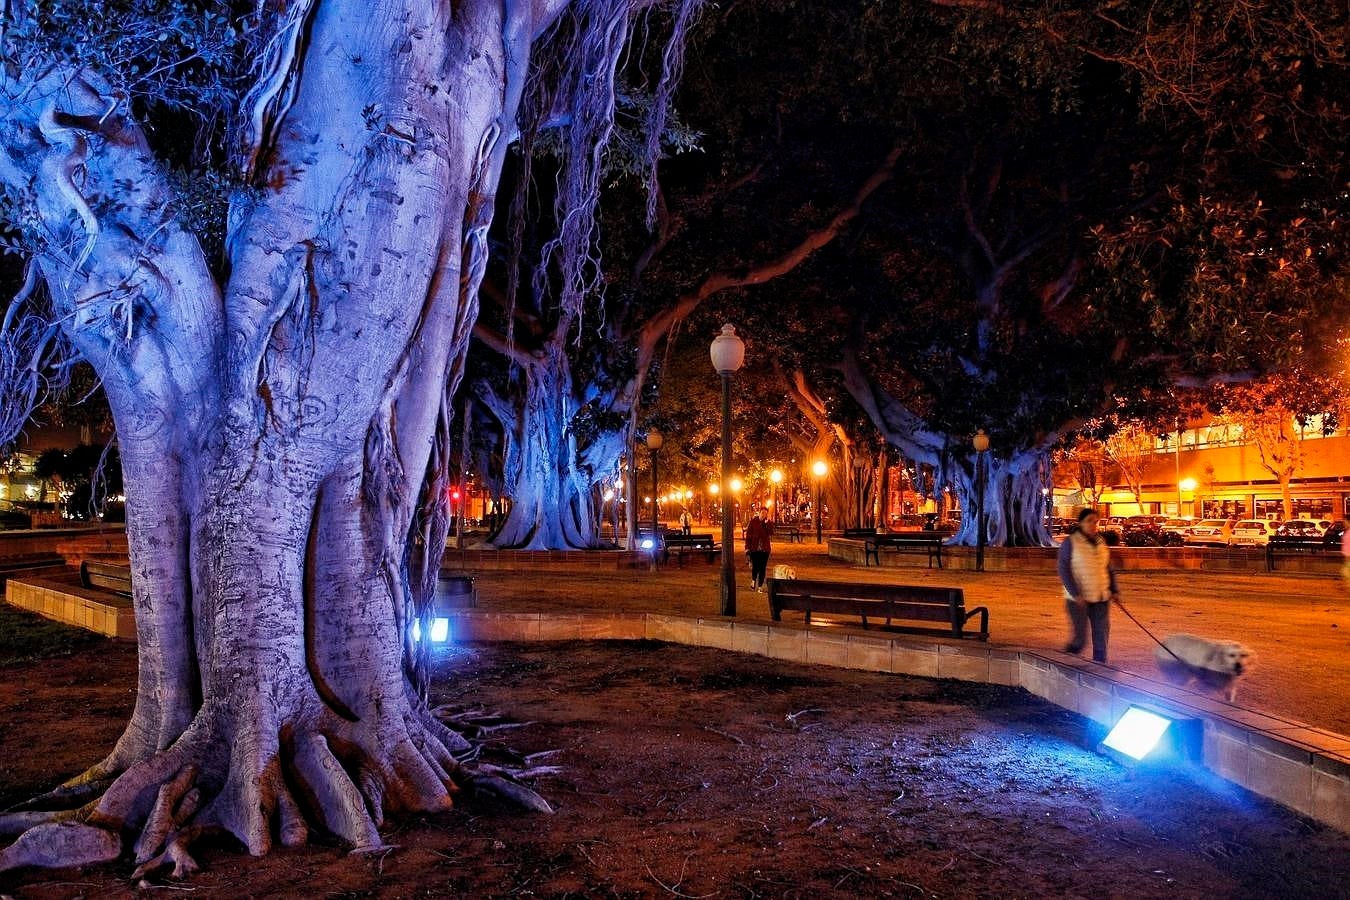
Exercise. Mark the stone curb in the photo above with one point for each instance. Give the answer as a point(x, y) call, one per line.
point(1298, 765)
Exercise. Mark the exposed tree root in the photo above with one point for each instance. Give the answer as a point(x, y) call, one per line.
point(342, 779)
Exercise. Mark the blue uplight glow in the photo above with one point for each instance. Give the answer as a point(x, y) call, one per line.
point(438, 633)
point(1137, 733)
point(647, 543)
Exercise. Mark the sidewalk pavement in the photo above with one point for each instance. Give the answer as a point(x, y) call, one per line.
point(1298, 625)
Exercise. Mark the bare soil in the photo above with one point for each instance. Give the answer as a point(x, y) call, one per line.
point(689, 772)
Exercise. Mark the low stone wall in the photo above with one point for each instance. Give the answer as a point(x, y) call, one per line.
point(99, 611)
point(1298, 765)
point(489, 560)
point(58, 540)
point(1042, 559)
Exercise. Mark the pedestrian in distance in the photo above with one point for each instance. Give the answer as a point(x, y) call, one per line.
point(1089, 585)
point(686, 522)
point(757, 548)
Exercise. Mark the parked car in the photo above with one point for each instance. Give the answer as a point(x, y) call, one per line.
point(13, 516)
point(1209, 533)
point(1253, 532)
point(1174, 530)
point(1332, 537)
point(1297, 533)
point(1142, 531)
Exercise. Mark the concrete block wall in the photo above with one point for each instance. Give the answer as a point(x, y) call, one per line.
point(1301, 766)
point(100, 612)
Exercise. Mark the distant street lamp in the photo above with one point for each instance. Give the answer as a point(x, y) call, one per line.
point(777, 478)
point(981, 444)
point(818, 469)
point(654, 441)
point(728, 354)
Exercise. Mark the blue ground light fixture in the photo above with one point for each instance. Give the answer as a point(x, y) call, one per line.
point(1151, 737)
point(438, 633)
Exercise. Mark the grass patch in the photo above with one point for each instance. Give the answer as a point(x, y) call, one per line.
point(26, 636)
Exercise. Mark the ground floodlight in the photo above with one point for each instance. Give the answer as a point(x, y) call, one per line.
point(1142, 733)
point(440, 630)
point(648, 543)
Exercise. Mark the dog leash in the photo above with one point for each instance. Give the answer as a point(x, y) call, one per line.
point(1146, 631)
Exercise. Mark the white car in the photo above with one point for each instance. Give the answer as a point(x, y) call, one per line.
point(1253, 532)
point(1209, 532)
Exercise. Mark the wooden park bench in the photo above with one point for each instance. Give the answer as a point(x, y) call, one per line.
point(679, 544)
point(929, 542)
point(106, 577)
point(879, 601)
point(788, 533)
point(860, 532)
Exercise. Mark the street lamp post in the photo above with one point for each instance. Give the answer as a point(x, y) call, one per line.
point(728, 354)
point(981, 444)
point(654, 441)
point(776, 477)
point(818, 468)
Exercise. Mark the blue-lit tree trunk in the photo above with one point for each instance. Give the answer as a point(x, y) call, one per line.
point(285, 427)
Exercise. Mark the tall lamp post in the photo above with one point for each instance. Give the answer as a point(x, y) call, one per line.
point(728, 354)
point(981, 444)
point(818, 469)
point(654, 441)
point(776, 477)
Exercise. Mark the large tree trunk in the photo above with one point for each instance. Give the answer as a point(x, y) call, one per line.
point(552, 507)
point(273, 432)
point(1013, 505)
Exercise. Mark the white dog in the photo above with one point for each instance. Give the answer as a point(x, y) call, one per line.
point(784, 573)
point(1213, 664)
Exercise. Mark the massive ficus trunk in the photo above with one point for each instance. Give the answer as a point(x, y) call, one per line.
point(552, 507)
point(274, 427)
point(1014, 508)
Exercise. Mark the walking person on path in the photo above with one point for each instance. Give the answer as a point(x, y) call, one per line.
point(757, 547)
point(1089, 585)
point(686, 522)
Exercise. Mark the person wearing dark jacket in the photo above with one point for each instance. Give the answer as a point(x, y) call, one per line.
point(1089, 585)
point(757, 548)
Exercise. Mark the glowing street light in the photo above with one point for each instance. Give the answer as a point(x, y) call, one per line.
point(776, 477)
point(728, 354)
point(819, 469)
point(981, 444)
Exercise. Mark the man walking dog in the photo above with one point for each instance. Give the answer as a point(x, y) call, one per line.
point(1089, 585)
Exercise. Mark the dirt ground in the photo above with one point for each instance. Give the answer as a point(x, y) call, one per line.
point(688, 772)
point(1299, 625)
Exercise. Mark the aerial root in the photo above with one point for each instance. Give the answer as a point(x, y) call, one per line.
point(337, 802)
point(292, 828)
point(61, 844)
point(510, 791)
point(164, 815)
point(175, 854)
point(71, 795)
point(15, 823)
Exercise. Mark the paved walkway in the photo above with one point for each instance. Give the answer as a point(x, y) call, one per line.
point(1298, 625)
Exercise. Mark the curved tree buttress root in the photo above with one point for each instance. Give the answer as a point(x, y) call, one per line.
point(319, 773)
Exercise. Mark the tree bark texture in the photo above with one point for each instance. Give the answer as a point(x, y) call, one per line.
point(275, 426)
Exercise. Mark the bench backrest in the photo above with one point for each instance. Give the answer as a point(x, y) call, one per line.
point(106, 576)
point(911, 601)
point(859, 532)
point(689, 540)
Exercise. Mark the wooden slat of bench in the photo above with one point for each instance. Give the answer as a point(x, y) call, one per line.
point(877, 601)
point(869, 591)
